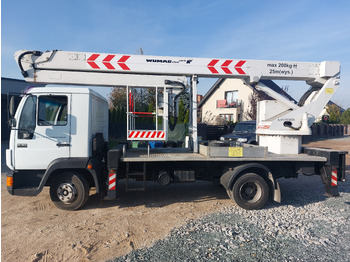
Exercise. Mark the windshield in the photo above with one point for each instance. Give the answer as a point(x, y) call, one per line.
point(245, 127)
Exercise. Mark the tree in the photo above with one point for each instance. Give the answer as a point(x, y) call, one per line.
point(187, 117)
point(117, 98)
point(253, 99)
point(334, 114)
point(143, 99)
point(345, 117)
point(182, 112)
point(112, 115)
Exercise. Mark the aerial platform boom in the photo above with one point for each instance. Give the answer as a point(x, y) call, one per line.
point(280, 120)
point(74, 67)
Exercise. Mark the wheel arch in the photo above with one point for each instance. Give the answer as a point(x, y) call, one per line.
point(231, 175)
point(78, 165)
point(80, 171)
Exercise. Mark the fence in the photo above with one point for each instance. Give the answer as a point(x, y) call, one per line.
point(320, 131)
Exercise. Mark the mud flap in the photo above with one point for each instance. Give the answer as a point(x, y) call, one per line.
point(329, 178)
point(112, 186)
point(276, 191)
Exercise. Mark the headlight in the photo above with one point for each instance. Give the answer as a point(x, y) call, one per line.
point(222, 138)
point(242, 140)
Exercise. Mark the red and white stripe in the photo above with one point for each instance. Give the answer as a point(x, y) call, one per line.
point(334, 180)
point(112, 181)
point(146, 134)
point(226, 66)
point(111, 62)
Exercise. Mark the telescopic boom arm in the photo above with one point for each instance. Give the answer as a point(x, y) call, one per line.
point(281, 118)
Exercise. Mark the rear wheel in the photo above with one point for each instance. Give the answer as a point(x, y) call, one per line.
point(69, 191)
point(250, 191)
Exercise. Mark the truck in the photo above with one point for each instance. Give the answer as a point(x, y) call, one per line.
point(59, 135)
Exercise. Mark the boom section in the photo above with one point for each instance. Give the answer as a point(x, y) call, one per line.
point(67, 67)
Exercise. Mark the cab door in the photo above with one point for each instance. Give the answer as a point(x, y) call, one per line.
point(43, 133)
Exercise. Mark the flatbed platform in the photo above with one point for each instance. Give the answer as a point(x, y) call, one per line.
point(185, 155)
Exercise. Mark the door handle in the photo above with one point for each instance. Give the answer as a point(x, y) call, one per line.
point(62, 144)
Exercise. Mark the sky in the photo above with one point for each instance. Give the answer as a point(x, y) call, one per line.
point(298, 30)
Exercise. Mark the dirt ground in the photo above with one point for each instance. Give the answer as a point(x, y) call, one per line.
point(33, 229)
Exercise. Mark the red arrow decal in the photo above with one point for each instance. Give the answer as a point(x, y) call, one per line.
point(211, 66)
point(238, 67)
point(91, 61)
point(121, 62)
point(225, 65)
point(107, 61)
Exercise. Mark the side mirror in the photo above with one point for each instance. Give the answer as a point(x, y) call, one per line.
point(12, 107)
point(12, 122)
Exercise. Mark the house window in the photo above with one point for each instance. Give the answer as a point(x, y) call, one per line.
point(227, 117)
point(231, 97)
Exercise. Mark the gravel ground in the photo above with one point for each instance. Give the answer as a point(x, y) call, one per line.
point(307, 226)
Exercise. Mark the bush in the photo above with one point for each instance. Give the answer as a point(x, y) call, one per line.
point(345, 117)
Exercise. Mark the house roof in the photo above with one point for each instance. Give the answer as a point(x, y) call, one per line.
point(211, 91)
point(14, 85)
point(277, 89)
point(330, 103)
point(268, 83)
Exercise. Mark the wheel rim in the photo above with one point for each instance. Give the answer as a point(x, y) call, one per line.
point(67, 192)
point(250, 192)
point(164, 179)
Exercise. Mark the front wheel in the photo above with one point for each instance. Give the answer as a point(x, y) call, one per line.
point(250, 191)
point(69, 191)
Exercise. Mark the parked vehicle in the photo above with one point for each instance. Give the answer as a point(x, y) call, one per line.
point(244, 132)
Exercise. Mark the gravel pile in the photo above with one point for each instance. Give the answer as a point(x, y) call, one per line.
point(305, 227)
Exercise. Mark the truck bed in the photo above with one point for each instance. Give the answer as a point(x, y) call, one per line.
point(185, 155)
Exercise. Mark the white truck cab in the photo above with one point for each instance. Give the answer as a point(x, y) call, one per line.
point(54, 123)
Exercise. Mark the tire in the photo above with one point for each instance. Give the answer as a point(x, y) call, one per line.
point(250, 191)
point(69, 191)
point(164, 178)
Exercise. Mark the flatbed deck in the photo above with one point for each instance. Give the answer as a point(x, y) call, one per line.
point(185, 155)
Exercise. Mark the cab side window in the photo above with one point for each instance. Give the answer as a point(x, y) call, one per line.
point(52, 111)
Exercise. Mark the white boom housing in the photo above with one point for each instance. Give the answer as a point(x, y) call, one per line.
point(281, 124)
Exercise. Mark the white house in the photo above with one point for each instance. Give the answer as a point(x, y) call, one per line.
point(229, 99)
